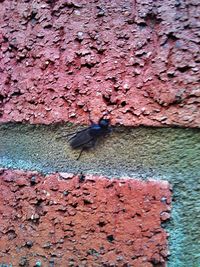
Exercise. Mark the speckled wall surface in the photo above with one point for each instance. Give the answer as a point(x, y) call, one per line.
point(139, 56)
point(68, 221)
point(68, 61)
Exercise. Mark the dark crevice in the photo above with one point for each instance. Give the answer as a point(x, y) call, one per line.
point(110, 238)
point(172, 37)
point(152, 20)
point(1, 98)
point(183, 69)
point(107, 100)
point(101, 224)
point(17, 93)
point(123, 103)
point(171, 75)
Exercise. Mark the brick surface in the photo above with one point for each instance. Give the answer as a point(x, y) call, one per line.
point(60, 60)
point(66, 220)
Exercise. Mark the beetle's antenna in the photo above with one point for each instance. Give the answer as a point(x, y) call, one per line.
point(112, 110)
point(64, 135)
point(105, 113)
point(108, 112)
point(90, 119)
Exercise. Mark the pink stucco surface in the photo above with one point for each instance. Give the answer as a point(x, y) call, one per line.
point(61, 60)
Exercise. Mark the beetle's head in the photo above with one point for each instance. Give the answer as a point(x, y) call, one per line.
point(104, 123)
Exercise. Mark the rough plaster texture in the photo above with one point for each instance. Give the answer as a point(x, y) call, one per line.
point(64, 60)
point(161, 153)
point(141, 57)
point(62, 220)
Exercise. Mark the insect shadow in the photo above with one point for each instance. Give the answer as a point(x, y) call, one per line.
point(87, 137)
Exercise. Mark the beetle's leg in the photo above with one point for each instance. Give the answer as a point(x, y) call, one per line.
point(87, 146)
point(80, 153)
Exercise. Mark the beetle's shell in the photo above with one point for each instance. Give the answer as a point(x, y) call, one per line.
point(87, 137)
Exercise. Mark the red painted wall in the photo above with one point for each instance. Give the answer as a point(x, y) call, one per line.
point(61, 59)
point(59, 220)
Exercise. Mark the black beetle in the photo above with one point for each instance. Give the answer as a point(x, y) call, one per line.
point(87, 138)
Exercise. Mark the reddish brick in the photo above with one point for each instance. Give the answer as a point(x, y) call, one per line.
point(97, 222)
point(61, 60)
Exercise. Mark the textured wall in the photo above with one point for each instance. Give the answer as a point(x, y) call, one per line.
point(139, 57)
point(161, 153)
point(63, 220)
point(63, 61)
